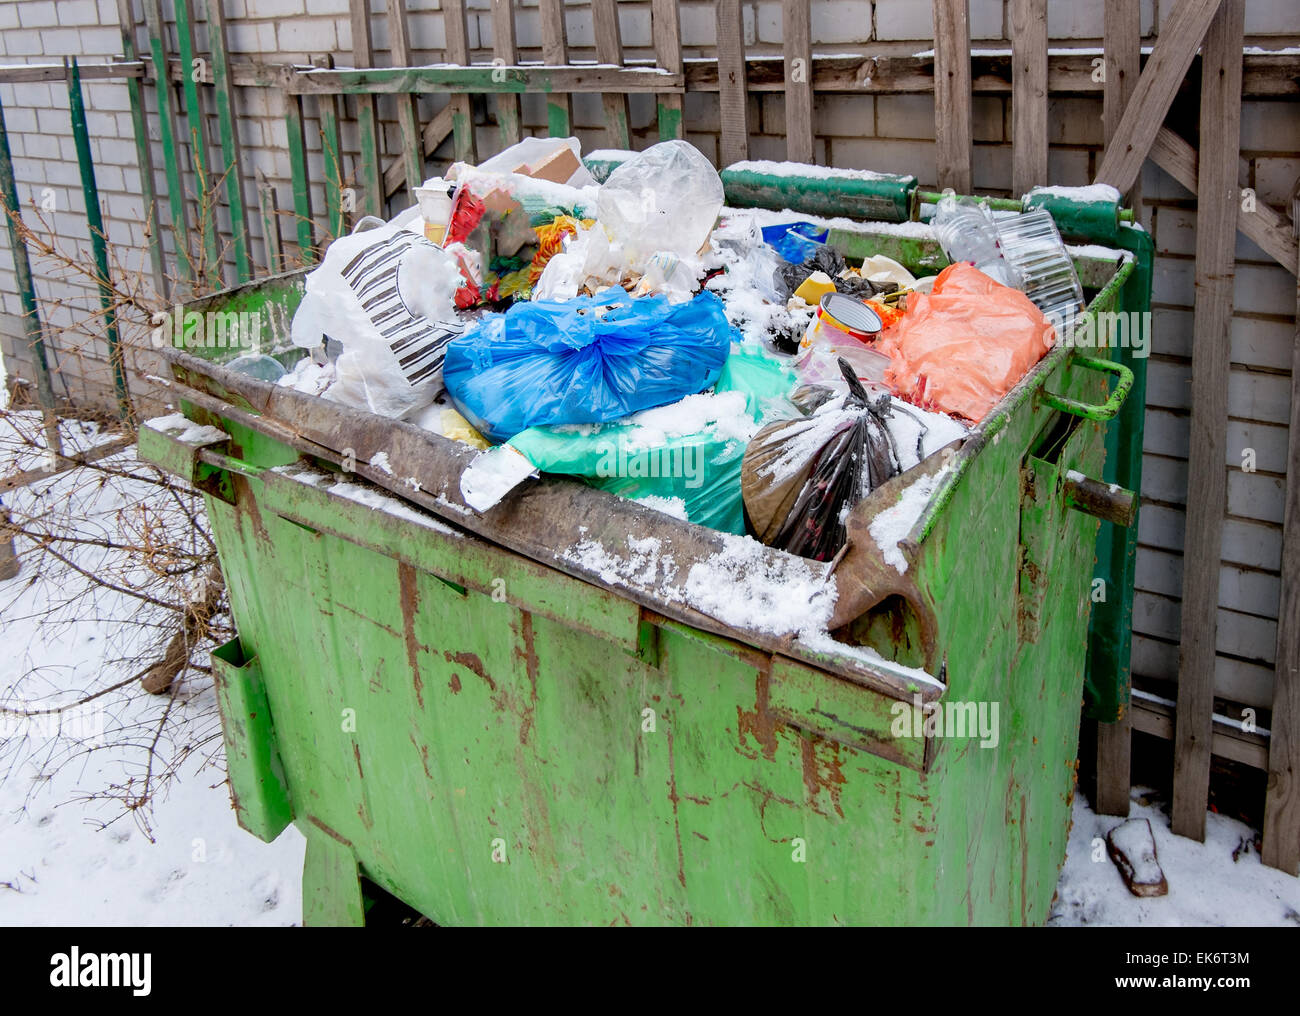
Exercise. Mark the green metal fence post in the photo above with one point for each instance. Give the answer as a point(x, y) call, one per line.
point(95, 220)
point(27, 293)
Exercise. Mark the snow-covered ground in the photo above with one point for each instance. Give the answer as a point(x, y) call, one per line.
point(71, 855)
point(70, 851)
point(1216, 883)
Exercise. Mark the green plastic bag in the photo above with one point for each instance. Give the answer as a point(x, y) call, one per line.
point(683, 458)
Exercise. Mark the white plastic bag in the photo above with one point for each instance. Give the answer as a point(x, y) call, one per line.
point(666, 199)
point(388, 296)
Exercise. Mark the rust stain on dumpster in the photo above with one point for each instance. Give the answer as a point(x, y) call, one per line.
point(759, 724)
point(473, 664)
point(813, 779)
point(673, 797)
point(409, 597)
point(529, 654)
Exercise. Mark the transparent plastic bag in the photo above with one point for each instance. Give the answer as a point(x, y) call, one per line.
point(666, 199)
point(967, 231)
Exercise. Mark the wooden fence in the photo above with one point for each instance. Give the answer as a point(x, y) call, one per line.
point(1138, 91)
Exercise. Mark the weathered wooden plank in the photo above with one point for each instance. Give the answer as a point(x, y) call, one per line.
point(1156, 88)
point(1281, 846)
point(464, 81)
point(952, 94)
point(1122, 34)
point(1216, 218)
point(1266, 76)
point(436, 131)
point(196, 121)
point(298, 173)
point(1028, 94)
point(666, 29)
point(331, 146)
point(796, 23)
point(609, 50)
point(506, 50)
point(1122, 42)
point(462, 110)
point(125, 69)
point(369, 176)
point(231, 159)
point(555, 53)
point(733, 98)
point(1263, 225)
point(408, 116)
point(270, 215)
point(143, 150)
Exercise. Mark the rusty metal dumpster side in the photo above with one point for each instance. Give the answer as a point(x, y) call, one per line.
point(494, 741)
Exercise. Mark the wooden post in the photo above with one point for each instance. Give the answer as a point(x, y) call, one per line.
point(1028, 95)
point(169, 134)
point(232, 162)
point(1122, 42)
point(1216, 229)
point(799, 144)
point(609, 50)
point(298, 173)
point(1123, 47)
point(369, 174)
point(331, 149)
point(196, 119)
point(504, 48)
point(143, 151)
point(952, 94)
point(555, 53)
point(1281, 846)
point(733, 97)
point(270, 214)
point(462, 110)
point(1165, 70)
point(408, 116)
point(666, 27)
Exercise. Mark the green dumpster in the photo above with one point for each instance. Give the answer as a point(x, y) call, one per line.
point(527, 716)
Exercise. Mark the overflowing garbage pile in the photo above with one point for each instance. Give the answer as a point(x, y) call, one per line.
point(729, 368)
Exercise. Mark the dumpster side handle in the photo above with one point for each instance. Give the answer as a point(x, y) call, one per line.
point(1090, 411)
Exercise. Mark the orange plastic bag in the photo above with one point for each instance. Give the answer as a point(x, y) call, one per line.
point(962, 348)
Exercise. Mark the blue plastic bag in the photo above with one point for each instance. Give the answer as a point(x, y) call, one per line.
point(588, 360)
point(795, 241)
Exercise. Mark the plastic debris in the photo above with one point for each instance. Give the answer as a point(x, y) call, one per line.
point(586, 360)
point(963, 347)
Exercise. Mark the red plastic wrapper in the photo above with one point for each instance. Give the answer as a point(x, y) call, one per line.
point(963, 347)
point(466, 213)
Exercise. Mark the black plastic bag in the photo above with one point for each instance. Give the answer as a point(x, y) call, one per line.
point(801, 478)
